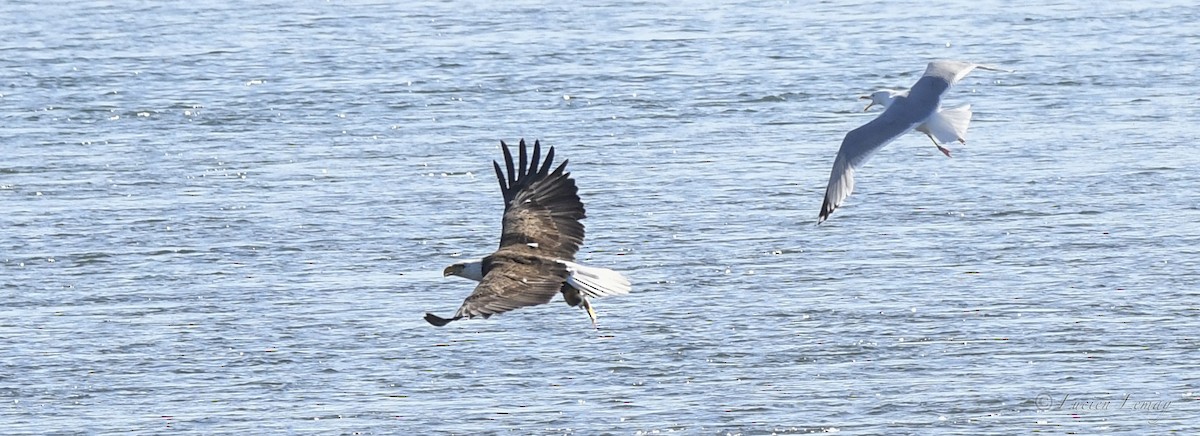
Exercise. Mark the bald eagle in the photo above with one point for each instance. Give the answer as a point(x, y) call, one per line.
point(540, 234)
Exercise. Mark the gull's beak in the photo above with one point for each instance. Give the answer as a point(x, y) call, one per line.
point(866, 97)
point(868, 106)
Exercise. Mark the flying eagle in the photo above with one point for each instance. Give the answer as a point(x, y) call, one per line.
point(540, 234)
point(919, 108)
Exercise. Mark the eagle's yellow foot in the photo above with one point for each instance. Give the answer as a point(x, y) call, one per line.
point(591, 313)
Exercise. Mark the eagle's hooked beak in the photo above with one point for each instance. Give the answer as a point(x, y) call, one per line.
point(866, 97)
point(452, 270)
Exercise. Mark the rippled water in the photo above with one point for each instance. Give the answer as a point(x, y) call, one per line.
point(230, 218)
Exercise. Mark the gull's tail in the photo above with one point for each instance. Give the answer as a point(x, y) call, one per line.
point(949, 125)
point(596, 282)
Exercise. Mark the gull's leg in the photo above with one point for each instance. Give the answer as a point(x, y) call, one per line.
point(944, 150)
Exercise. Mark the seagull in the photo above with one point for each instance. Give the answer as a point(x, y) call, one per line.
point(539, 237)
point(918, 109)
point(947, 125)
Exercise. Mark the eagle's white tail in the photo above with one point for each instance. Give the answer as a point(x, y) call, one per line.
point(949, 125)
point(596, 282)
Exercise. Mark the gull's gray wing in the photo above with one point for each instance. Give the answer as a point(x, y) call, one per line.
point(902, 116)
point(940, 76)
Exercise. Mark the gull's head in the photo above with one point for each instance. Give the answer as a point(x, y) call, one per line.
point(469, 270)
point(881, 97)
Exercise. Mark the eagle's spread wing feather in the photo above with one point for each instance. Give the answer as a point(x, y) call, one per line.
point(514, 280)
point(542, 209)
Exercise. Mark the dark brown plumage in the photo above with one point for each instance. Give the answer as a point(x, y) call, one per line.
point(540, 227)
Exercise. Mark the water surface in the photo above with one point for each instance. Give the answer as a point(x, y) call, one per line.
point(230, 218)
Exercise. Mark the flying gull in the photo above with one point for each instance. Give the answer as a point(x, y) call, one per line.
point(918, 109)
point(540, 234)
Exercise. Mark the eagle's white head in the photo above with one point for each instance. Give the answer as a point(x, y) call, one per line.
point(882, 97)
point(471, 269)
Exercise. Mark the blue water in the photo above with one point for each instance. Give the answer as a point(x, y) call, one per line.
point(230, 218)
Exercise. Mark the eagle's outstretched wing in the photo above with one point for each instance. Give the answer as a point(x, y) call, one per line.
point(514, 279)
point(541, 207)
